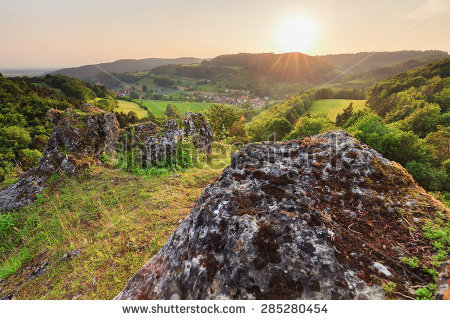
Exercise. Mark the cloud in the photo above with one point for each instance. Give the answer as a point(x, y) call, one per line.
point(427, 9)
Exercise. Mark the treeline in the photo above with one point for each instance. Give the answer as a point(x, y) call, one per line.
point(330, 93)
point(24, 126)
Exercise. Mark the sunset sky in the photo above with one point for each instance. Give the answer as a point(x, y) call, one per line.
point(59, 33)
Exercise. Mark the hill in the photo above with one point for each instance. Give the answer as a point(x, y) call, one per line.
point(365, 61)
point(24, 126)
point(88, 72)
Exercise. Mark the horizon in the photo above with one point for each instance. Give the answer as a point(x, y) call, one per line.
point(71, 34)
point(44, 68)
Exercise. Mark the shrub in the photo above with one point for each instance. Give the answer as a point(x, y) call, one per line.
point(29, 158)
point(171, 111)
point(277, 129)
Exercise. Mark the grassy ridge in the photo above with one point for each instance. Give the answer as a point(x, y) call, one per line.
point(334, 106)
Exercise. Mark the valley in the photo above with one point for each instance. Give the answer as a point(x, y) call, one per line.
point(91, 224)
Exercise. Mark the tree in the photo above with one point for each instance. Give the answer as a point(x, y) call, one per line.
point(342, 118)
point(134, 95)
point(423, 120)
point(28, 158)
point(277, 129)
point(39, 142)
point(221, 117)
point(16, 137)
point(144, 88)
point(312, 125)
point(171, 111)
point(428, 177)
point(132, 117)
point(440, 140)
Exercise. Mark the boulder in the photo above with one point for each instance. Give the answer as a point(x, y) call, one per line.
point(77, 139)
point(158, 144)
point(317, 218)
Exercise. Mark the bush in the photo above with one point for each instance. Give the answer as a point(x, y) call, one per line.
point(222, 116)
point(428, 177)
point(15, 137)
point(312, 125)
point(277, 129)
point(29, 158)
point(171, 111)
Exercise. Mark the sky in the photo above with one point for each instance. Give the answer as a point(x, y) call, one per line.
point(62, 33)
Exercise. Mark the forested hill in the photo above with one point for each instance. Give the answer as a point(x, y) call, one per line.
point(24, 126)
point(365, 61)
point(429, 83)
point(88, 72)
point(287, 67)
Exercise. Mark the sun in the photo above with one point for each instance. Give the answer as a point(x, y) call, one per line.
point(297, 34)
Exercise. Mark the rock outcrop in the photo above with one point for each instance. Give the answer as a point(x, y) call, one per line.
point(318, 218)
point(78, 138)
point(159, 144)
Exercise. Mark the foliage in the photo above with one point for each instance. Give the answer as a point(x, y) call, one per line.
point(389, 287)
point(428, 177)
point(171, 111)
point(426, 293)
point(222, 117)
point(277, 129)
point(411, 262)
point(311, 125)
point(28, 158)
point(440, 141)
point(423, 120)
point(343, 117)
point(290, 109)
point(24, 102)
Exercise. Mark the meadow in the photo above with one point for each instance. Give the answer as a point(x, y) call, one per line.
point(159, 106)
point(127, 106)
point(334, 106)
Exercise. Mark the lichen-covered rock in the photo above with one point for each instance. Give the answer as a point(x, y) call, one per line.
point(318, 218)
point(443, 285)
point(158, 144)
point(77, 139)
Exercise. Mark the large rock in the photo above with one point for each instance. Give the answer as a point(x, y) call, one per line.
point(159, 144)
point(319, 218)
point(77, 139)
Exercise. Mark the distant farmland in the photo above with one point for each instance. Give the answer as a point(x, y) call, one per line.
point(159, 107)
point(334, 106)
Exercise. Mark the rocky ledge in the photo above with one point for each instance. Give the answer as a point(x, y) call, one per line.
point(324, 217)
point(158, 144)
point(78, 138)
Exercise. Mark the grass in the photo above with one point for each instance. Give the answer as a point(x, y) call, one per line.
point(334, 106)
point(127, 106)
point(118, 220)
point(159, 107)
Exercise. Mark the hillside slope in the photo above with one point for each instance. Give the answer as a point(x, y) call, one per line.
point(364, 61)
point(88, 72)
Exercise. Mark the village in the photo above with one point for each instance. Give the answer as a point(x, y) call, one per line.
point(256, 102)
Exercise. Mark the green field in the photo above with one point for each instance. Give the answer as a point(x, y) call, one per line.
point(127, 106)
point(159, 107)
point(334, 106)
